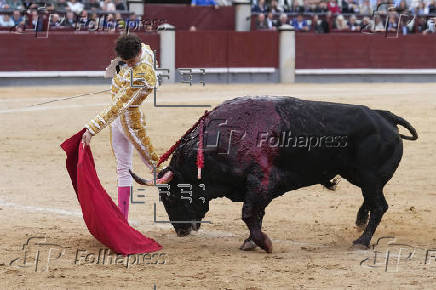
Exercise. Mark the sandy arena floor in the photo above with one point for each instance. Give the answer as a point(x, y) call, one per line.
point(312, 229)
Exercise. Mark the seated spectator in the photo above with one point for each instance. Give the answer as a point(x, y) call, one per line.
point(69, 19)
point(271, 23)
point(15, 4)
point(203, 3)
point(108, 5)
point(365, 8)
point(432, 7)
point(260, 7)
point(333, 7)
point(92, 4)
point(320, 26)
point(378, 24)
point(55, 20)
point(119, 5)
point(84, 17)
point(300, 24)
point(298, 6)
point(352, 23)
point(261, 22)
point(61, 5)
point(392, 22)
point(348, 6)
point(75, 6)
point(420, 9)
point(283, 19)
point(367, 25)
point(275, 8)
point(119, 21)
point(5, 20)
point(340, 23)
point(402, 7)
point(133, 21)
point(430, 26)
point(17, 18)
point(323, 7)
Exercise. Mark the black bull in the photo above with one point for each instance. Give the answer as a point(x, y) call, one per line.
point(258, 148)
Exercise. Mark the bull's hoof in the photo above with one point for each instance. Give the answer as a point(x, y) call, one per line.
point(248, 245)
point(361, 245)
point(267, 244)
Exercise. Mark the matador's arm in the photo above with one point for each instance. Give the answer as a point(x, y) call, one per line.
point(143, 76)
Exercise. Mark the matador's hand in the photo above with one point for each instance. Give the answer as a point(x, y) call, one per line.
point(86, 137)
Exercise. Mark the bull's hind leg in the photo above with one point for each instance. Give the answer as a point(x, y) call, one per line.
point(377, 205)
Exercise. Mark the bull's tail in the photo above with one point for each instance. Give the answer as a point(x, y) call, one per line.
point(395, 120)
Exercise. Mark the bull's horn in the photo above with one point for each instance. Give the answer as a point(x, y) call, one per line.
point(166, 178)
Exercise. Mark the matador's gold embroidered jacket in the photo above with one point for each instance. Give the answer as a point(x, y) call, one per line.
point(126, 101)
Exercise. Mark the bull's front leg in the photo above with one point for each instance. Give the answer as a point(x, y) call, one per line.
point(250, 215)
point(249, 244)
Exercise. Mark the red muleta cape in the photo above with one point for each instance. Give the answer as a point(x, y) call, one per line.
point(102, 217)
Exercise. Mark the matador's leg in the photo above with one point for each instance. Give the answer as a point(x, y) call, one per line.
point(133, 123)
point(123, 152)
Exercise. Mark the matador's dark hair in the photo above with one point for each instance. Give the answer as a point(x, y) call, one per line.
point(128, 46)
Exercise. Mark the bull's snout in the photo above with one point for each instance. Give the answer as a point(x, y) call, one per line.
point(183, 232)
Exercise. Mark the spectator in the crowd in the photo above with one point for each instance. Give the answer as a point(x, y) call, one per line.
point(275, 8)
point(432, 7)
point(378, 24)
point(75, 6)
point(61, 4)
point(365, 8)
point(300, 24)
point(133, 21)
point(352, 23)
point(392, 22)
point(420, 9)
point(92, 4)
point(323, 7)
point(333, 7)
point(367, 25)
point(34, 18)
point(84, 19)
point(261, 22)
point(15, 4)
point(203, 3)
point(119, 21)
point(5, 20)
point(119, 5)
point(69, 19)
point(283, 19)
point(108, 22)
point(340, 23)
point(349, 6)
point(320, 25)
point(260, 7)
point(17, 18)
point(402, 6)
point(108, 5)
point(55, 20)
point(271, 23)
point(430, 26)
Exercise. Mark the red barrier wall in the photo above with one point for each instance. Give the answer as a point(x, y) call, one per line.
point(203, 49)
point(183, 16)
point(61, 51)
point(65, 51)
point(357, 50)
